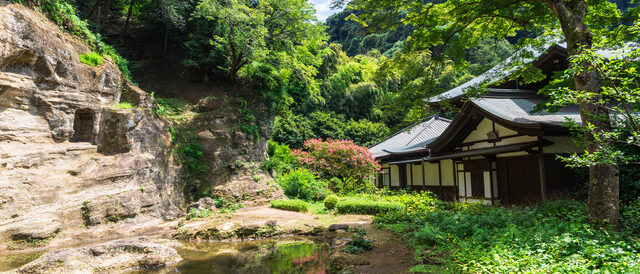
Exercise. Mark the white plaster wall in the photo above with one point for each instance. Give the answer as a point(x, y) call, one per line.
point(561, 145)
point(485, 126)
point(431, 170)
point(417, 174)
point(446, 166)
point(395, 175)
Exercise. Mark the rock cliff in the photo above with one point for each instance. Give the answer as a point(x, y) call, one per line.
point(68, 156)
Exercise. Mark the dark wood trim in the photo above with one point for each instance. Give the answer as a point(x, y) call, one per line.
point(494, 141)
point(471, 115)
point(493, 124)
point(440, 179)
point(455, 180)
point(543, 191)
point(411, 173)
point(424, 174)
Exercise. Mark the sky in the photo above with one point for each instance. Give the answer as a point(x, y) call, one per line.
point(322, 9)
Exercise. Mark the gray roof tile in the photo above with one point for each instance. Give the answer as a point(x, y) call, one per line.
point(413, 138)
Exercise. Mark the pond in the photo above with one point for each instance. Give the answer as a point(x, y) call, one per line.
point(283, 255)
point(291, 255)
point(17, 260)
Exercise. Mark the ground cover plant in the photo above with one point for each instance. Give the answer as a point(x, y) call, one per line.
point(552, 237)
point(359, 243)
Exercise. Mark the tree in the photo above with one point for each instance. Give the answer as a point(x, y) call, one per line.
point(259, 32)
point(454, 25)
point(239, 34)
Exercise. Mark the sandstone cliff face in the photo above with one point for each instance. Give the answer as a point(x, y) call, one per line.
point(235, 158)
point(68, 158)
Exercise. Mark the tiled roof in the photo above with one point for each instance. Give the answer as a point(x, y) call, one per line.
point(515, 62)
point(520, 111)
point(411, 139)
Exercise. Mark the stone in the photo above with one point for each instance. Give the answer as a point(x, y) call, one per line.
point(58, 171)
point(272, 224)
point(139, 253)
point(202, 204)
point(246, 231)
point(335, 227)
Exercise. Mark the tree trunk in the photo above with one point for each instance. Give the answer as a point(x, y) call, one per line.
point(129, 12)
point(166, 38)
point(603, 201)
point(107, 11)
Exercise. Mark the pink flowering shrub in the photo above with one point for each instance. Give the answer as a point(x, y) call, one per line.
point(338, 159)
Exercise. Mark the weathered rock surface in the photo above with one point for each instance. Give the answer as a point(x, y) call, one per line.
point(67, 157)
point(234, 157)
point(202, 204)
point(111, 257)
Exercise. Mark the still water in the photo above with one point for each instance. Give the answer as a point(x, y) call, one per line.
point(296, 255)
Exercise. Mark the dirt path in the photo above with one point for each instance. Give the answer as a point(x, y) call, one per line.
point(389, 255)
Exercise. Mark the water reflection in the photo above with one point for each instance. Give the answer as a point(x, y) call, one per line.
point(262, 256)
point(17, 260)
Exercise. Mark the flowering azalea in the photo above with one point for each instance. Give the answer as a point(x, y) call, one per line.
point(337, 158)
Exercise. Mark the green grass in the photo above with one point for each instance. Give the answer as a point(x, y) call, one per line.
point(124, 105)
point(291, 205)
point(91, 58)
point(318, 208)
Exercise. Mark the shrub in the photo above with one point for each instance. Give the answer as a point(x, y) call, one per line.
point(341, 159)
point(303, 184)
point(365, 205)
point(280, 158)
point(330, 202)
point(91, 58)
point(631, 216)
point(291, 205)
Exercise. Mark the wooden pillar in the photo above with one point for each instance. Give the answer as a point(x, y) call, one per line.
point(440, 181)
point(411, 173)
point(424, 174)
point(543, 194)
point(455, 179)
point(491, 180)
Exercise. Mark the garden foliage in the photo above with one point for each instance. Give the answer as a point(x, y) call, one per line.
point(339, 159)
point(552, 237)
point(303, 184)
point(291, 205)
point(330, 202)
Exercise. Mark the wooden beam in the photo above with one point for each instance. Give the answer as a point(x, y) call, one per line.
point(543, 194)
point(424, 174)
point(411, 173)
point(455, 179)
point(491, 181)
point(440, 181)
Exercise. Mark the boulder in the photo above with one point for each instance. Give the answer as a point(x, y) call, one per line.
point(202, 204)
point(68, 156)
point(139, 253)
